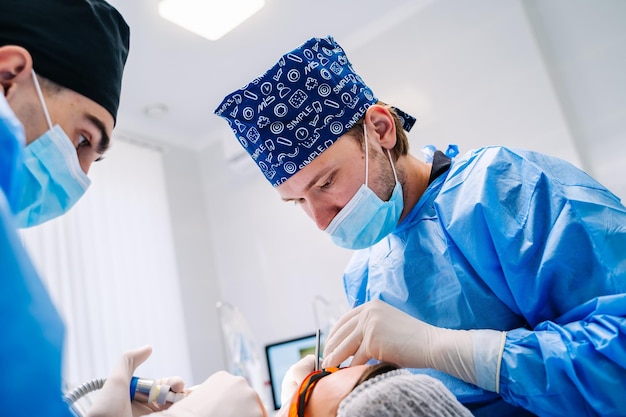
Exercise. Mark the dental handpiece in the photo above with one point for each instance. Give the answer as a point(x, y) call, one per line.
point(148, 391)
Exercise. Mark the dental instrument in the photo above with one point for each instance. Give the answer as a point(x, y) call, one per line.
point(141, 390)
point(317, 350)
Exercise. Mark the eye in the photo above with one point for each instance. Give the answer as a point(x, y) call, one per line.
point(327, 183)
point(83, 141)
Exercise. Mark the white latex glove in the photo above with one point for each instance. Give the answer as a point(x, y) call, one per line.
point(292, 380)
point(380, 331)
point(113, 400)
point(220, 395)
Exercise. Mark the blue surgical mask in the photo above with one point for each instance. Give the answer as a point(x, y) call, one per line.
point(53, 180)
point(366, 219)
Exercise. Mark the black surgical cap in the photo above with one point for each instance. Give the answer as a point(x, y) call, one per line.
point(79, 44)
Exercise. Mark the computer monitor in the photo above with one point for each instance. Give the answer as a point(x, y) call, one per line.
point(280, 357)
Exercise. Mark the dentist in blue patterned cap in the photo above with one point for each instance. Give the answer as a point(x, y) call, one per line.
point(503, 268)
point(61, 65)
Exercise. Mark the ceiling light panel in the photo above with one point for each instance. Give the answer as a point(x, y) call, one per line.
point(211, 19)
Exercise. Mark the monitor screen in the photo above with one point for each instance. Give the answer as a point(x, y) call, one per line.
point(280, 357)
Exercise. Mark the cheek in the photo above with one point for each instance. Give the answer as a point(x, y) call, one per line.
point(67, 124)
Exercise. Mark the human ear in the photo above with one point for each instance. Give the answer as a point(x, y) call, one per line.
point(378, 119)
point(16, 65)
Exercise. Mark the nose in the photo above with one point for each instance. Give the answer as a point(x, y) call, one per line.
point(320, 212)
point(86, 157)
point(84, 162)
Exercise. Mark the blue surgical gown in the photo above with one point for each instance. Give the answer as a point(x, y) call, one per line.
point(518, 241)
point(32, 331)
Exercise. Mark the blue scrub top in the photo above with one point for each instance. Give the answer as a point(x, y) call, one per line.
point(32, 331)
point(519, 241)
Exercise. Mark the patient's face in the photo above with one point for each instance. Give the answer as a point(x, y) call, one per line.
point(330, 390)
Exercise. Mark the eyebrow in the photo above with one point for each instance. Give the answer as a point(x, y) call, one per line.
point(105, 140)
point(311, 183)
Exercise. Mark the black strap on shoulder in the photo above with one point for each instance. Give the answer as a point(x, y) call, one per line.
point(441, 163)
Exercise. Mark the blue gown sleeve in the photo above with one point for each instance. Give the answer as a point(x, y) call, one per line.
point(551, 243)
point(12, 141)
point(32, 331)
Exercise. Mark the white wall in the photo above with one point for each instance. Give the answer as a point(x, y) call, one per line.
point(543, 75)
point(584, 46)
point(200, 286)
point(110, 267)
point(472, 74)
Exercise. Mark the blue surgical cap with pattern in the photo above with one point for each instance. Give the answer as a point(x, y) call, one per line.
point(291, 114)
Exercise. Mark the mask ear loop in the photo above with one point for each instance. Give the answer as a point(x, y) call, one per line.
point(393, 168)
point(41, 99)
point(367, 159)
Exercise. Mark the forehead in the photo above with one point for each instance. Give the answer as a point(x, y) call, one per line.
point(81, 108)
point(330, 390)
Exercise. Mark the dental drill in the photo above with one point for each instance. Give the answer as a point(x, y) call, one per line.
point(141, 390)
point(148, 391)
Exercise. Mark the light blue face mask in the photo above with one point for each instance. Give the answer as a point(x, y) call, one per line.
point(366, 219)
point(53, 180)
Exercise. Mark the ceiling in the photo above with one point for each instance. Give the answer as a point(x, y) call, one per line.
point(186, 75)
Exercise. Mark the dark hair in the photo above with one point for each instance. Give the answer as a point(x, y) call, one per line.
point(375, 370)
point(49, 86)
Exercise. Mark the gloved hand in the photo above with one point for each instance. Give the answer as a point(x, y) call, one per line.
point(292, 380)
point(380, 331)
point(220, 395)
point(113, 400)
